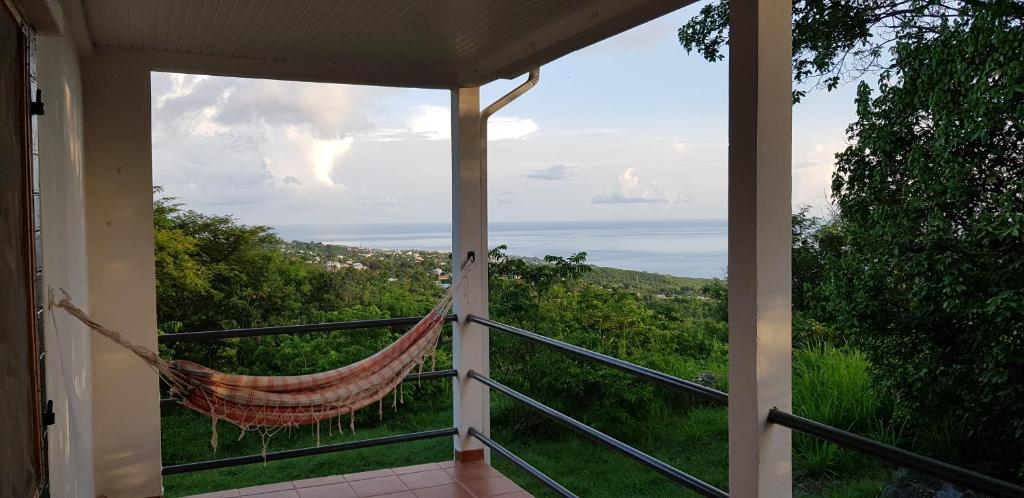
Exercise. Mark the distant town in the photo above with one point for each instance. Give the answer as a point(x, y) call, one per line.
point(337, 258)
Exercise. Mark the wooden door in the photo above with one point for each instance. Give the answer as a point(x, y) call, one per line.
point(20, 434)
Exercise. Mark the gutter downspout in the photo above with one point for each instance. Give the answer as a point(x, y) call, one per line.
point(496, 106)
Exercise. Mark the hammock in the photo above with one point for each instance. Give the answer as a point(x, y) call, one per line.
point(270, 403)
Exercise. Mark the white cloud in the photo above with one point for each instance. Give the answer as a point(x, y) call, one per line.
point(629, 191)
point(813, 166)
point(435, 123)
point(510, 128)
point(431, 122)
point(234, 141)
point(556, 172)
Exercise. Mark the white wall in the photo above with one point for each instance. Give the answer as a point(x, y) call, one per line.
point(122, 279)
point(67, 342)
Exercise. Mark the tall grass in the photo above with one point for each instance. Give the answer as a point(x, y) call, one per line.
point(833, 386)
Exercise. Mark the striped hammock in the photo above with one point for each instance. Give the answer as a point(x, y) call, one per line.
point(268, 403)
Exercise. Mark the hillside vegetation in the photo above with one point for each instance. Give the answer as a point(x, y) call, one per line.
point(214, 273)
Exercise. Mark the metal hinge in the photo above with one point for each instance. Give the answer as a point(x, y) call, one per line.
point(36, 108)
point(49, 418)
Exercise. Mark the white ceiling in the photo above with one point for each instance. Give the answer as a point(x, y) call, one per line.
point(430, 43)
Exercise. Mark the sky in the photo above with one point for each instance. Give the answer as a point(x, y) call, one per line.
point(632, 128)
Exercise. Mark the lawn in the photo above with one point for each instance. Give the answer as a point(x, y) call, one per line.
point(694, 441)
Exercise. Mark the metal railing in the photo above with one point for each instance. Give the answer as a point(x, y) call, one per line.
point(663, 468)
point(925, 465)
point(303, 452)
point(213, 335)
point(934, 468)
point(703, 392)
point(519, 462)
point(940, 470)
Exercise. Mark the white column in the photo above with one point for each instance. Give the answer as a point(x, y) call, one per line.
point(122, 282)
point(472, 406)
point(760, 183)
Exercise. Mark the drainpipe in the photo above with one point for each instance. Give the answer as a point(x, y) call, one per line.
point(496, 106)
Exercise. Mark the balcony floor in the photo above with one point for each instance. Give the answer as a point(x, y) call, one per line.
point(431, 480)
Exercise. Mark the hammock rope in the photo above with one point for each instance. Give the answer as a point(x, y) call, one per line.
point(267, 404)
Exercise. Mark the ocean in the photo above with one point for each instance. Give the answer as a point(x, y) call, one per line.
point(686, 248)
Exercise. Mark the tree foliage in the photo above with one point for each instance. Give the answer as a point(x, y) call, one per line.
point(930, 277)
point(835, 41)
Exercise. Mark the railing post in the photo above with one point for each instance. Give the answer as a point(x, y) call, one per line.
point(469, 235)
point(760, 182)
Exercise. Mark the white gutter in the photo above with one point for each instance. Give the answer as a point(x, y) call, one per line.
point(497, 105)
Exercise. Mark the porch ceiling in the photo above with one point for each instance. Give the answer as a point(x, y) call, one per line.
point(420, 43)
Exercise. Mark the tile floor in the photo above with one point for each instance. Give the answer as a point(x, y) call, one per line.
point(431, 480)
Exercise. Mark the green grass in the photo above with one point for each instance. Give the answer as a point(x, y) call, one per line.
point(694, 441)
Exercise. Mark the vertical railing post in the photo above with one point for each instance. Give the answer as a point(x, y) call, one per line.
point(469, 236)
point(760, 183)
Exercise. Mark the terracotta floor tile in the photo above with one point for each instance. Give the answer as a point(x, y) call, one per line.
point(493, 486)
point(369, 474)
point(266, 488)
point(472, 471)
point(318, 481)
point(288, 493)
point(415, 468)
point(446, 479)
point(229, 493)
point(339, 490)
point(426, 479)
point(377, 486)
point(453, 490)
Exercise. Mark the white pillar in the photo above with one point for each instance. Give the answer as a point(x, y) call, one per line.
point(122, 281)
point(760, 183)
point(472, 406)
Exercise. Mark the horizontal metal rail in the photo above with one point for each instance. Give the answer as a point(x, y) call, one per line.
point(303, 452)
point(940, 470)
point(413, 377)
point(213, 335)
point(703, 392)
point(519, 462)
point(663, 468)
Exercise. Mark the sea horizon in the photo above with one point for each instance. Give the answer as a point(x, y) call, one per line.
point(685, 248)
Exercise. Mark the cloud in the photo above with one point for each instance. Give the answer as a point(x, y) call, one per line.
point(243, 138)
point(629, 191)
point(510, 128)
point(556, 172)
point(435, 123)
point(813, 166)
point(430, 122)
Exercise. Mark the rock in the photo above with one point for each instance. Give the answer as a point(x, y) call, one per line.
point(707, 379)
point(913, 485)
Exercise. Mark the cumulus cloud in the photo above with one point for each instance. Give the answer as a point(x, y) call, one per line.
point(234, 140)
point(554, 173)
point(629, 191)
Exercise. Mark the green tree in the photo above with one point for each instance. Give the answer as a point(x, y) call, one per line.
point(930, 280)
point(835, 41)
